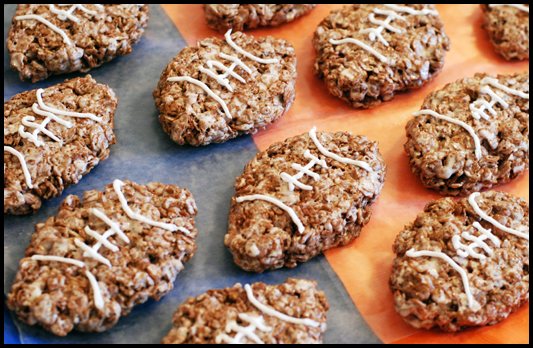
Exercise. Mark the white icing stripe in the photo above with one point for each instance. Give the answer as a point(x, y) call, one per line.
point(26, 121)
point(457, 122)
point(280, 204)
point(98, 299)
point(236, 60)
point(293, 180)
point(312, 135)
point(61, 121)
point(361, 44)
point(229, 71)
point(205, 88)
point(494, 83)
point(48, 24)
point(455, 266)
point(117, 185)
point(518, 6)
point(89, 252)
point(244, 53)
point(43, 106)
point(77, 263)
point(484, 216)
point(466, 250)
point(23, 164)
point(111, 224)
point(412, 11)
point(487, 233)
point(273, 313)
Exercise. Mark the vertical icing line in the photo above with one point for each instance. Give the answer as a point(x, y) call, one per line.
point(23, 164)
point(111, 224)
point(98, 299)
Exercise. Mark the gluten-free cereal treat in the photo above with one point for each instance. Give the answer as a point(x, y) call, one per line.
point(508, 28)
point(219, 89)
point(301, 197)
point(463, 263)
point(239, 17)
point(366, 53)
point(471, 135)
point(103, 255)
point(52, 137)
point(47, 39)
point(291, 313)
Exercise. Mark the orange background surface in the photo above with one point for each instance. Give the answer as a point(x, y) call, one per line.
point(365, 265)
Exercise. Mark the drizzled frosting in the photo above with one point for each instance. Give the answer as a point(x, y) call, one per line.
point(374, 33)
point(92, 252)
point(223, 79)
point(465, 251)
point(257, 322)
point(518, 6)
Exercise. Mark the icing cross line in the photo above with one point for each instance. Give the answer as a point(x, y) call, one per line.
point(61, 15)
point(40, 108)
point(478, 113)
point(468, 250)
point(374, 33)
point(102, 240)
point(257, 322)
point(223, 79)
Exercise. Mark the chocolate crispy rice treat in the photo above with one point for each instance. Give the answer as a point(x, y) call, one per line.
point(59, 296)
point(413, 57)
point(428, 292)
point(508, 30)
point(54, 166)
point(443, 154)
point(239, 17)
point(191, 116)
point(262, 236)
point(202, 319)
point(92, 38)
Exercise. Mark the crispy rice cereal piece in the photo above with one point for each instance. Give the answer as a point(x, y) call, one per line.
point(508, 30)
point(262, 236)
point(443, 154)
point(191, 116)
point(239, 17)
point(58, 295)
point(37, 51)
point(415, 55)
point(428, 292)
point(202, 319)
point(54, 167)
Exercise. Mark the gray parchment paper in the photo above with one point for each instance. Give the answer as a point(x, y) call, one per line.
point(144, 153)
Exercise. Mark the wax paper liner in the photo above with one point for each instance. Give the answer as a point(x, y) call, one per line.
point(144, 153)
point(365, 266)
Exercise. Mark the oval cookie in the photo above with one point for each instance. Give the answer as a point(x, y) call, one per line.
point(98, 258)
point(220, 89)
point(239, 17)
point(368, 53)
point(52, 137)
point(464, 263)
point(471, 135)
point(302, 197)
point(291, 313)
point(47, 39)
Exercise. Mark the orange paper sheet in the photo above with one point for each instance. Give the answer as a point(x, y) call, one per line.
point(365, 265)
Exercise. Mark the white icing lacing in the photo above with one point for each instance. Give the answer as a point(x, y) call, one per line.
point(61, 15)
point(478, 113)
point(460, 123)
point(39, 108)
point(223, 79)
point(92, 252)
point(374, 33)
point(243, 332)
point(518, 6)
point(277, 202)
point(468, 250)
